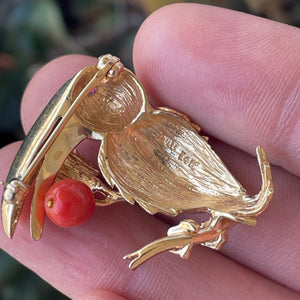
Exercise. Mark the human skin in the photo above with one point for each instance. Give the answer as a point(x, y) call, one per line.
point(238, 77)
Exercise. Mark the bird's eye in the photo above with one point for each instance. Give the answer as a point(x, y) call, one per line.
point(93, 91)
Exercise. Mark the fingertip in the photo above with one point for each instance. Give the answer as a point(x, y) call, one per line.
point(235, 74)
point(46, 82)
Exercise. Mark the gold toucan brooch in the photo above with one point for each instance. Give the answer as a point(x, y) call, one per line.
point(155, 157)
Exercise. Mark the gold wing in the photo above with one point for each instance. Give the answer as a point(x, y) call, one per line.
point(161, 162)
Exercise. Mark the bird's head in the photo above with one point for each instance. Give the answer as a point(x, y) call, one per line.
point(113, 104)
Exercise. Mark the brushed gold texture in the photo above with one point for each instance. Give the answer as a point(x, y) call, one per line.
point(155, 157)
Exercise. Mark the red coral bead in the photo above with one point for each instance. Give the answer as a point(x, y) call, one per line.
point(69, 202)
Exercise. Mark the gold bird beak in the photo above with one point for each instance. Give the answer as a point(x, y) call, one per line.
point(56, 127)
point(12, 206)
point(10, 216)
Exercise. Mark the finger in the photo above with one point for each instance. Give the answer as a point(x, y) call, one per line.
point(88, 257)
point(235, 74)
point(100, 295)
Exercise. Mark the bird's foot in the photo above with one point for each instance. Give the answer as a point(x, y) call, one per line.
point(158, 246)
point(180, 240)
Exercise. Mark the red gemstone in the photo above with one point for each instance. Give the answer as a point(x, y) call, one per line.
point(93, 91)
point(69, 202)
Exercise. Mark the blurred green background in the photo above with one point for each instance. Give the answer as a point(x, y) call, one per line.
point(33, 32)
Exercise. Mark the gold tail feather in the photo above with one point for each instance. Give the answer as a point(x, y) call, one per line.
point(258, 203)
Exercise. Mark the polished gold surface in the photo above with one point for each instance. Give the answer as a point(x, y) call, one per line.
point(154, 157)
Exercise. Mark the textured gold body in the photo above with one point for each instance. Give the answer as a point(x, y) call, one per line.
point(154, 157)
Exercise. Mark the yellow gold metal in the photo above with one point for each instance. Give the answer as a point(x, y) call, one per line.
point(50, 203)
point(75, 167)
point(154, 157)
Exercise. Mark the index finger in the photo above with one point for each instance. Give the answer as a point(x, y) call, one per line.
point(242, 70)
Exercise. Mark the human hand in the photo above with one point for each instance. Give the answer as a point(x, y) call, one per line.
point(238, 77)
